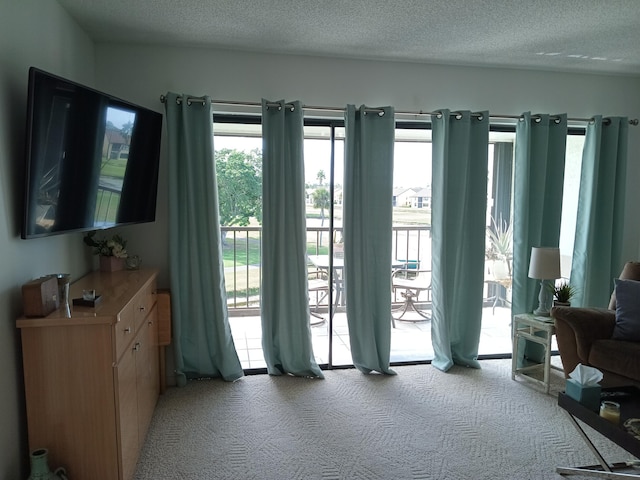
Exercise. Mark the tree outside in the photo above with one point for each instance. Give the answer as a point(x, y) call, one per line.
point(321, 200)
point(239, 176)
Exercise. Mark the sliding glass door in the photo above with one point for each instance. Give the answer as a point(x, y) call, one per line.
point(238, 146)
point(323, 154)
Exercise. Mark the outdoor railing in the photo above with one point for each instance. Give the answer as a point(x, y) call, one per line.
point(107, 202)
point(242, 258)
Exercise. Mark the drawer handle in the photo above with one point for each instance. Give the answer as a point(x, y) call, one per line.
point(136, 347)
point(127, 330)
point(142, 309)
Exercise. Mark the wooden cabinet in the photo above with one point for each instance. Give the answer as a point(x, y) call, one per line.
point(92, 378)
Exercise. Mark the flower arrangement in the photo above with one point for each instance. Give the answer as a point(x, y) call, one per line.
point(107, 247)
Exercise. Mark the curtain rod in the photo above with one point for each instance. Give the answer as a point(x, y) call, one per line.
point(190, 100)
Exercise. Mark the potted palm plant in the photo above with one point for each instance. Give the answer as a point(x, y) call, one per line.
point(499, 250)
point(562, 293)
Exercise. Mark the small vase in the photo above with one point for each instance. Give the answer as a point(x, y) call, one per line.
point(111, 264)
point(556, 303)
point(40, 466)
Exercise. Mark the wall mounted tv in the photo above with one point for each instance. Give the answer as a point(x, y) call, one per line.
point(91, 159)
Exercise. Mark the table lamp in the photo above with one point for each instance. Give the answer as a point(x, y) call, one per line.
point(544, 266)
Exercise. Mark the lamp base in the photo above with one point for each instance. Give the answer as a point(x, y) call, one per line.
point(541, 313)
point(543, 309)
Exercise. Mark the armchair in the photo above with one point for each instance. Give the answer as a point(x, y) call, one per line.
point(584, 335)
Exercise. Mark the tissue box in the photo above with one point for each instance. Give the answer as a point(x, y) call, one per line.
point(587, 396)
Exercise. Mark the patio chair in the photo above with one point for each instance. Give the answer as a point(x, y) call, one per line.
point(410, 283)
point(497, 276)
point(318, 283)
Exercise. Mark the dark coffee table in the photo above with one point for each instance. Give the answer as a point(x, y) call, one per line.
point(629, 400)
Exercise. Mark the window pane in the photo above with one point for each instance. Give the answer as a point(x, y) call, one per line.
point(411, 243)
point(573, 170)
point(238, 156)
point(495, 337)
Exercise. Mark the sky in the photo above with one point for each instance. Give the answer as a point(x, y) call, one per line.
point(119, 117)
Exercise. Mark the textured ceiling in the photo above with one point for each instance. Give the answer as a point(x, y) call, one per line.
point(599, 36)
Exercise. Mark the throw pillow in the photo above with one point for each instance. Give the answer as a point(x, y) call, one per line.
point(631, 271)
point(627, 310)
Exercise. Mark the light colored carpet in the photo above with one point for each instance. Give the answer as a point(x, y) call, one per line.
point(421, 424)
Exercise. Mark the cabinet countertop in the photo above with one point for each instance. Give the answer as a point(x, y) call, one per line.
point(114, 286)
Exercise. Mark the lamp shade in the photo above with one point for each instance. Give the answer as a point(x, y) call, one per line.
point(545, 263)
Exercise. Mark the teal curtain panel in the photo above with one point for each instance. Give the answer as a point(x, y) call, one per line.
point(203, 344)
point(541, 142)
point(286, 328)
point(459, 206)
point(601, 205)
point(367, 228)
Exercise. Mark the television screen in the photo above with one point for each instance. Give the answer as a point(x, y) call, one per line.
point(91, 159)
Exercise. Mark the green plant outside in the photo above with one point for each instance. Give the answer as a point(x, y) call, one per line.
point(500, 240)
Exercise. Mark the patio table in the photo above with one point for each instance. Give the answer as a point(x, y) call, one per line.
point(322, 262)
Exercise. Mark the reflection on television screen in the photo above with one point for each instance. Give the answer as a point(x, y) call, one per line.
point(119, 128)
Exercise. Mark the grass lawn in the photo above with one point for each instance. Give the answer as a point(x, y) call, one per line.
point(113, 168)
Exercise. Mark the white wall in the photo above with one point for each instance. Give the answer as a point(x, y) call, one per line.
point(32, 32)
point(142, 74)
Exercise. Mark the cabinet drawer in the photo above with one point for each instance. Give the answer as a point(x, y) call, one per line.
point(124, 329)
point(144, 302)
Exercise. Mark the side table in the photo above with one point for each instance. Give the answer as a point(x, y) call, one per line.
point(528, 326)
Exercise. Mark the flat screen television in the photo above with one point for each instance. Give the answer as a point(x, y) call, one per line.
point(91, 159)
